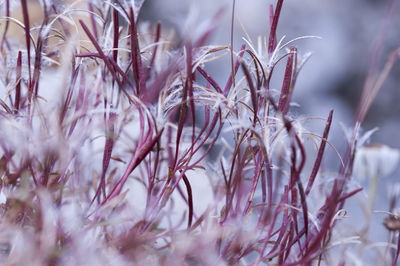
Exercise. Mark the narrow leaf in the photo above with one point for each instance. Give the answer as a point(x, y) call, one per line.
point(190, 199)
point(272, 35)
point(320, 153)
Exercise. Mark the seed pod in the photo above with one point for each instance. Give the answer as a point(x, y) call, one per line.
point(392, 223)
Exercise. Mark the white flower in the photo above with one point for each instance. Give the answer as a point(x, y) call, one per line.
point(375, 160)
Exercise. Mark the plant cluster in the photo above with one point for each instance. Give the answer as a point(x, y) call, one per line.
point(117, 147)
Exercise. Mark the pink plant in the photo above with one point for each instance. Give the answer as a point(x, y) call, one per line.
point(114, 150)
